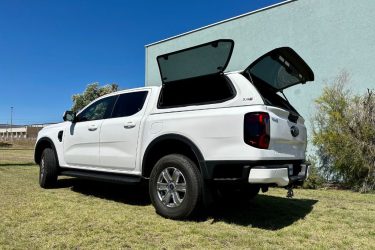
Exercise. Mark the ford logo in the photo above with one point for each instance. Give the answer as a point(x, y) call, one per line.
point(294, 131)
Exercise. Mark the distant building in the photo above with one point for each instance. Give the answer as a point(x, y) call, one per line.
point(20, 131)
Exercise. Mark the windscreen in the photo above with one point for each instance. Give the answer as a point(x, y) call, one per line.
point(205, 59)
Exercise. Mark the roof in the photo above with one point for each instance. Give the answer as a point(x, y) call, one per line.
point(13, 126)
point(224, 21)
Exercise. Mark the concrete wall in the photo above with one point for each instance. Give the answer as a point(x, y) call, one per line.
point(331, 35)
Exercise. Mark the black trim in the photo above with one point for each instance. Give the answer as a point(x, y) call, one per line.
point(245, 167)
point(101, 176)
point(183, 139)
point(40, 141)
point(60, 135)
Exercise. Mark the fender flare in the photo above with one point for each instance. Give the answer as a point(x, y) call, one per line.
point(198, 154)
point(37, 153)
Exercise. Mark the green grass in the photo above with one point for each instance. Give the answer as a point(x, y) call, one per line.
point(92, 215)
point(17, 156)
point(17, 153)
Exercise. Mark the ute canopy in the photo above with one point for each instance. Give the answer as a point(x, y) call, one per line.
point(280, 68)
point(202, 60)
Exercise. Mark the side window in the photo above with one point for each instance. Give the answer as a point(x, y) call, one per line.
point(129, 104)
point(100, 109)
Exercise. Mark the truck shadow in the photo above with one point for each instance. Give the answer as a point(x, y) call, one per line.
point(129, 194)
point(264, 212)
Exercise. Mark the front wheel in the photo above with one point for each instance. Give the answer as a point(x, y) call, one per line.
point(175, 186)
point(48, 169)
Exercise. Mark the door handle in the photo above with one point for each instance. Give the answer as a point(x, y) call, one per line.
point(129, 125)
point(93, 127)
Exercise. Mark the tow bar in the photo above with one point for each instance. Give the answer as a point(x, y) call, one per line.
point(289, 193)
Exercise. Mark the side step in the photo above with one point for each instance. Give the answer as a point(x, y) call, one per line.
point(101, 176)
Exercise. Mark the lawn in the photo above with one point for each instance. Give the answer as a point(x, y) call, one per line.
point(89, 215)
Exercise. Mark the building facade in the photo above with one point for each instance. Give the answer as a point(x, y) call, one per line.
point(330, 35)
point(8, 132)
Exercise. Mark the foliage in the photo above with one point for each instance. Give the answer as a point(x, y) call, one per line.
point(344, 134)
point(315, 179)
point(92, 92)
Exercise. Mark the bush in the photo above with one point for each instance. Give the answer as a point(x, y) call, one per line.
point(315, 179)
point(344, 134)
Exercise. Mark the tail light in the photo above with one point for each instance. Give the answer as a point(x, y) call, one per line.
point(257, 129)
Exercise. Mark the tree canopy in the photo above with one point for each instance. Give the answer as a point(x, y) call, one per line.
point(91, 92)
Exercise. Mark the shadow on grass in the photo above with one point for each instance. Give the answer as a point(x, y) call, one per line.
point(265, 212)
point(129, 194)
point(17, 164)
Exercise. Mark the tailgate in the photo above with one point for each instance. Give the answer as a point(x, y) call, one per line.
point(287, 136)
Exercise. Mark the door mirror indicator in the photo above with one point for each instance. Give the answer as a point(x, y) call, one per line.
point(69, 116)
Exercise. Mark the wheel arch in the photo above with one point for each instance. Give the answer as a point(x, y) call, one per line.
point(168, 144)
point(42, 144)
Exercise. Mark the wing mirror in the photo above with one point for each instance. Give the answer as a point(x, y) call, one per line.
point(69, 116)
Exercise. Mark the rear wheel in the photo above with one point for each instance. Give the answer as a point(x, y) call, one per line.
point(48, 169)
point(175, 186)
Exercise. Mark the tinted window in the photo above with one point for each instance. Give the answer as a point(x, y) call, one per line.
point(100, 109)
point(205, 59)
point(129, 104)
point(197, 91)
point(276, 72)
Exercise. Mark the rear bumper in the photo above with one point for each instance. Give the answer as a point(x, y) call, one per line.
point(281, 176)
point(269, 172)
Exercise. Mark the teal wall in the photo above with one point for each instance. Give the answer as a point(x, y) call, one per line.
point(331, 35)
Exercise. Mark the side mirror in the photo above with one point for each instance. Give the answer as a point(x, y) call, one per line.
point(69, 116)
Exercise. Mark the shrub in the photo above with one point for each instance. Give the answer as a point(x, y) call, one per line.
point(344, 134)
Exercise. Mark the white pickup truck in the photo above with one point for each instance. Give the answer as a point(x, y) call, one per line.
point(203, 131)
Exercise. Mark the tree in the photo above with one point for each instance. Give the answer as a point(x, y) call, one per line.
point(92, 92)
point(344, 134)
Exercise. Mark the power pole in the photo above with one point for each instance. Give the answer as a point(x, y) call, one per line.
point(11, 123)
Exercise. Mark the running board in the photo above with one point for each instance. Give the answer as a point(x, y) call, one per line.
point(100, 176)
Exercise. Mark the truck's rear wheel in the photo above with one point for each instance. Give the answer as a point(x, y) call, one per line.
point(175, 186)
point(48, 169)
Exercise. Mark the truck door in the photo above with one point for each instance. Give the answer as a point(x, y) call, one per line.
point(81, 140)
point(119, 135)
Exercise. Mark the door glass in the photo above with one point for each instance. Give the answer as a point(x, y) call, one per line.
point(100, 109)
point(129, 104)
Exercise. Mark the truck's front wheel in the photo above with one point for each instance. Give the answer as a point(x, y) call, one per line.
point(175, 186)
point(48, 169)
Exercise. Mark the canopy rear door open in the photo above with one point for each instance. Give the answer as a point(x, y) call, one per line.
point(206, 59)
point(280, 68)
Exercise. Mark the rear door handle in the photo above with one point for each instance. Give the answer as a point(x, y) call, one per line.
point(129, 125)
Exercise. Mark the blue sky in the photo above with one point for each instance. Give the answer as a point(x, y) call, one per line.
point(50, 50)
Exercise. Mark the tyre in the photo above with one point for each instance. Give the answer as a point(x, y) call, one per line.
point(175, 186)
point(48, 169)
